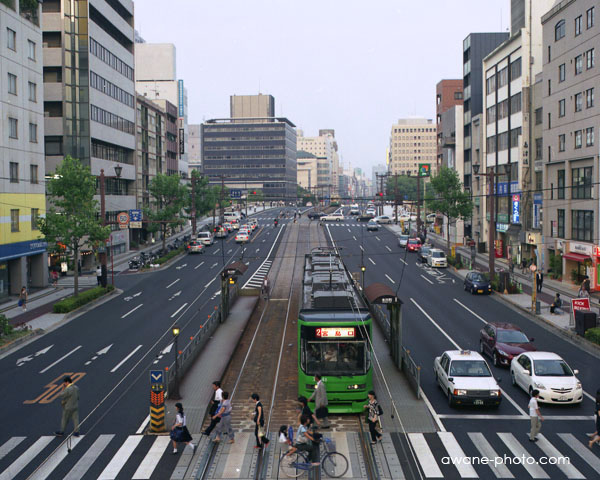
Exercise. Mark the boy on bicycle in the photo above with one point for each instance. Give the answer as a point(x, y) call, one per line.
point(305, 441)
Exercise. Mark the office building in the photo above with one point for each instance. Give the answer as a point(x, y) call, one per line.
point(323, 147)
point(252, 106)
point(412, 142)
point(307, 170)
point(448, 93)
point(23, 257)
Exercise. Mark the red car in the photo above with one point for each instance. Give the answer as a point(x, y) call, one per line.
point(413, 245)
point(503, 342)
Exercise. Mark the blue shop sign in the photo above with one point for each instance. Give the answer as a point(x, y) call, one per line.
point(516, 205)
point(502, 188)
point(22, 249)
point(538, 199)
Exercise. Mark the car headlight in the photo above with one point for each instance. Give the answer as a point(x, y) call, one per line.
point(578, 386)
point(494, 393)
point(460, 392)
point(539, 385)
point(503, 353)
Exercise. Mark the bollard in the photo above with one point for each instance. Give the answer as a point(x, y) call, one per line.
point(157, 401)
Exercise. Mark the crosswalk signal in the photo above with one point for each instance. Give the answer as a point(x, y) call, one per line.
point(231, 281)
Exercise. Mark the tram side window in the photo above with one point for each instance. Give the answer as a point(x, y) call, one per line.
point(335, 358)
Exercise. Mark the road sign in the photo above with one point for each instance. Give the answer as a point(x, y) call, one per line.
point(424, 170)
point(235, 193)
point(135, 219)
point(123, 220)
point(156, 376)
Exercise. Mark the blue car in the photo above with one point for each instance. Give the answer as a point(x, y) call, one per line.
point(476, 282)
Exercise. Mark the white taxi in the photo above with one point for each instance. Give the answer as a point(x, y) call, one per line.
point(242, 236)
point(466, 379)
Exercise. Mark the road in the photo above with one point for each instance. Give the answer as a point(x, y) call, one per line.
point(109, 352)
point(439, 315)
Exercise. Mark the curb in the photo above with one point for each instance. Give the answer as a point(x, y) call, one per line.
point(16, 344)
point(88, 306)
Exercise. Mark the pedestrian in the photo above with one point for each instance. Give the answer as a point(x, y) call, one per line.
point(373, 417)
point(556, 304)
point(179, 431)
point(596, 410)
point(99, 275)
point(535, 416)
point(224, 425)
point(320, 399)
point(539, 279)
point(305, 441)
point(523, 265)
point(583, 293)
point(69, 401)
point(511, 265)
point(54, 276)
point(214, 406)
point(305, 410)
point(259, 422)
point(586, 285)
point(23, 299)
point(265, 288)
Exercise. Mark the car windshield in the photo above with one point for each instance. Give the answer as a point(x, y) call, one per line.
point(425, 250)
point(403, 237)
point(371, 222)
point(414, 241)
point(438, 255)
point(469, 368)
point(478, 277)
point(551, 368)
point(512, 336)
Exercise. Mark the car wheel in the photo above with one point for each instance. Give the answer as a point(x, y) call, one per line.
point(481, 347)
point(472, 290)
point(435, 378)
point(495, 359)
point(513, 380)
point(451, 402)
point(465, 287)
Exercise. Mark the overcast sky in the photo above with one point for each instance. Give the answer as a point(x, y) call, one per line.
point(354, 66)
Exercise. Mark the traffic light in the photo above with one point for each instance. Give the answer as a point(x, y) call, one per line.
point(253, 192)
point(380, 194)
point(231, 281)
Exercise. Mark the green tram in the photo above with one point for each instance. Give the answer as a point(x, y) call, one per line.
point(334, 331)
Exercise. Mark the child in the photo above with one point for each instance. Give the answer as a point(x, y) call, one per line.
point(304, 441)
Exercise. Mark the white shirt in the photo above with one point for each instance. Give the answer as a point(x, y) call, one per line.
point(181, 419)
point(98, 272)
point(218, 394)
point(533, 407)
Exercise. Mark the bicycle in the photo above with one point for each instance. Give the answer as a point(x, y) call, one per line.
point(333, 463)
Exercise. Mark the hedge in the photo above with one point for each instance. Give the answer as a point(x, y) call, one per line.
point(169, 256)
point(593, 335)
point(69, 304)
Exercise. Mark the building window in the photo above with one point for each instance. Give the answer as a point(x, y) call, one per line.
point(14, 220)
point(549, 53)
point(515, 133)
point(14, 172)
point(32, 92)
point(561, 223)
point(515, 69)
point(561, 72)
point(12, 84)
point(582, 224)
point(561, 108)
point(35, 216)
point(515, 103)
point(589, 98)
point(560, 190)
point(578, 64)
point(589, 137)
point(590, 61)
point(538, 116)
point(581, 183)
point(13, 126)
point(578, 102)
point(490, 84)
point(502, 109)
point(578, 25)
point(549, 87)
point(491, 144)
point(561, 143)
point(33, 133)
point(590, 17)
point(577, 138)
point(549, 120)
point(11, 41)
point(502, 77)
point(539, 146)
point(33, 174)
point(458, 95)
point(502, 141)
point(31, 54)
point(491, 114)
point(559, 30)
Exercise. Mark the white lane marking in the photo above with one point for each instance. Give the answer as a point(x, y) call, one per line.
point(360, 246)
point(216, 251)
point(214, 265)
point(266, 260)
point(354, 237)
point(434, 414)
point(426, 459)
point(131, 311)
point(402, 260)
point(425, 278)
point(465, 470)
point(118, 461)
point(389, 249)
point(467, 416)
point(9, 445)
point(389, 278)
point(471, 311)
point(140, 430)
point(581, 450)
point(51, 462)
point(172, 283)
point(370, 260)
point(125, 359)
point(350, 230)
point(60, 359)
point(20, 463)
point(90, 456)
point(208, 284)
point(486, 451)
point(564, 465)
point(529, 463)
point(198, 266)
point(257, 250)
point(231, 250)
point(152, 458)
point(593, 399)
point(378, 239)
point(179, 310)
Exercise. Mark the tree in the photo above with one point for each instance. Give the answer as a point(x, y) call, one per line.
point(72, 219)
point(169, 197)
point(203, 199)
point(306, 196)
point(255, 196)
point(407, 188)
point(448, 197)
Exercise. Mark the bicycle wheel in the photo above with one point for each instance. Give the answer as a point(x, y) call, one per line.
point(334, 464)
point(291, 465)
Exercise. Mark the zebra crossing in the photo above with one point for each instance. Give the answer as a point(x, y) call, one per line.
point(257, 278)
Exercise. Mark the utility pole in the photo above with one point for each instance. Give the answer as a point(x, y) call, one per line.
point(222, 200)
point(396, 197)
point(193, 206)
point(418, 203)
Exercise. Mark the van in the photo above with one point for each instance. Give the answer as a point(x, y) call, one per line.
point(206, 238)
point(231, 216)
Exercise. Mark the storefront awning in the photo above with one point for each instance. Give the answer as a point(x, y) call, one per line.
point(576, 257)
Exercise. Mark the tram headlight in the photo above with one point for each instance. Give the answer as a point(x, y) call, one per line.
point(356, 387)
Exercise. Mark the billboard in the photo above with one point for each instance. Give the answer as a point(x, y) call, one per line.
point(424, 170)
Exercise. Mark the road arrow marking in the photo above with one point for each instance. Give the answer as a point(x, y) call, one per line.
point(137, 294)
point(214, 265)
point(181, 266)
point(21, 361)
point(128, 298)
point(167, 349)
point(98, 353)
point(175, 295)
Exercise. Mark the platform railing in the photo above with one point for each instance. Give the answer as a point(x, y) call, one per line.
point(412, 370)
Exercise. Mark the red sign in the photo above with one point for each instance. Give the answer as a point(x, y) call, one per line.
point(580, 304)
point(499, 248)
point(342, 332)
point(596, 251)
point(123, 220)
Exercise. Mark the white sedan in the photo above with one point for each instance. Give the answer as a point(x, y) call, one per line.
point(242, 237)
point(548, 373)
point(333, 217)
point(383, 219)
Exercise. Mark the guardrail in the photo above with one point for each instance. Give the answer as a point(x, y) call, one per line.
point(413, 371)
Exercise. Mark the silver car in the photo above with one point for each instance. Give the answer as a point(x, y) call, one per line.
point(402, 240)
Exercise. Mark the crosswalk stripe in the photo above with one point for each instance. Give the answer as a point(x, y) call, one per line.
point(234, 466)
point(518, 450)
point(30, 454)
point(456, 453)
point(426, 459)
point(581, 450)
point(9, 445)
point(90, 456)
point(486, 451)
point(54, 460)
point(116, 464)
point(152, 458)
point(563, 464)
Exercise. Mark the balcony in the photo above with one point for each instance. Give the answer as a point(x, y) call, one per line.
point(52, 56)
point(53, 126)
point(449, 141)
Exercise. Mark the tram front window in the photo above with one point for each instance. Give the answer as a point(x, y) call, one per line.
point(334, 358)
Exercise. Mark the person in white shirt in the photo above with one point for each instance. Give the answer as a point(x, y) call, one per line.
point(99, 275)
point(217, 398)
point(535, 416)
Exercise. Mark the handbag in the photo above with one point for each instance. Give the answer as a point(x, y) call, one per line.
point(20, 303)
point(176, 433)
point(261, 431)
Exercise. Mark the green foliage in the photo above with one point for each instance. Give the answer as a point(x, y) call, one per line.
point(69, 304)
point(169, 256)
point(30, 6)
point(206, 196)
point(5, 327)
point(455, 261)
point(306, 196)
point(8, 3)
point(593, 335)
point(255, 197)
point(555, 266)
point(406, 188)
point(133, 244)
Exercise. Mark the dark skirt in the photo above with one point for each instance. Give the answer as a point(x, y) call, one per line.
point(181, 434)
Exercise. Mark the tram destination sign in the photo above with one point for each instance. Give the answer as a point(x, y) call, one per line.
point(335, 332)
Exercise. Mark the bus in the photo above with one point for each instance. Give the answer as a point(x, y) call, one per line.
point(334, 332)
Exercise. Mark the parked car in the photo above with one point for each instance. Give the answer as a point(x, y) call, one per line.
point(502, 342)
point(477, 282)
point(423, 253)
point(548, 373)
point(402, 240)
point(437, 258)
point(206, 238)
point(242, 236)
point(413, 245)
point(383, 219)
point(430, 218)
point(372, 226)
point(333, 217)
point(466, 379)
point(195, 246)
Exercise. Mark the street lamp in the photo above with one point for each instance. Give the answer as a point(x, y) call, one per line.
point(363, 269)
point(175, 394)
point(118, 171)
